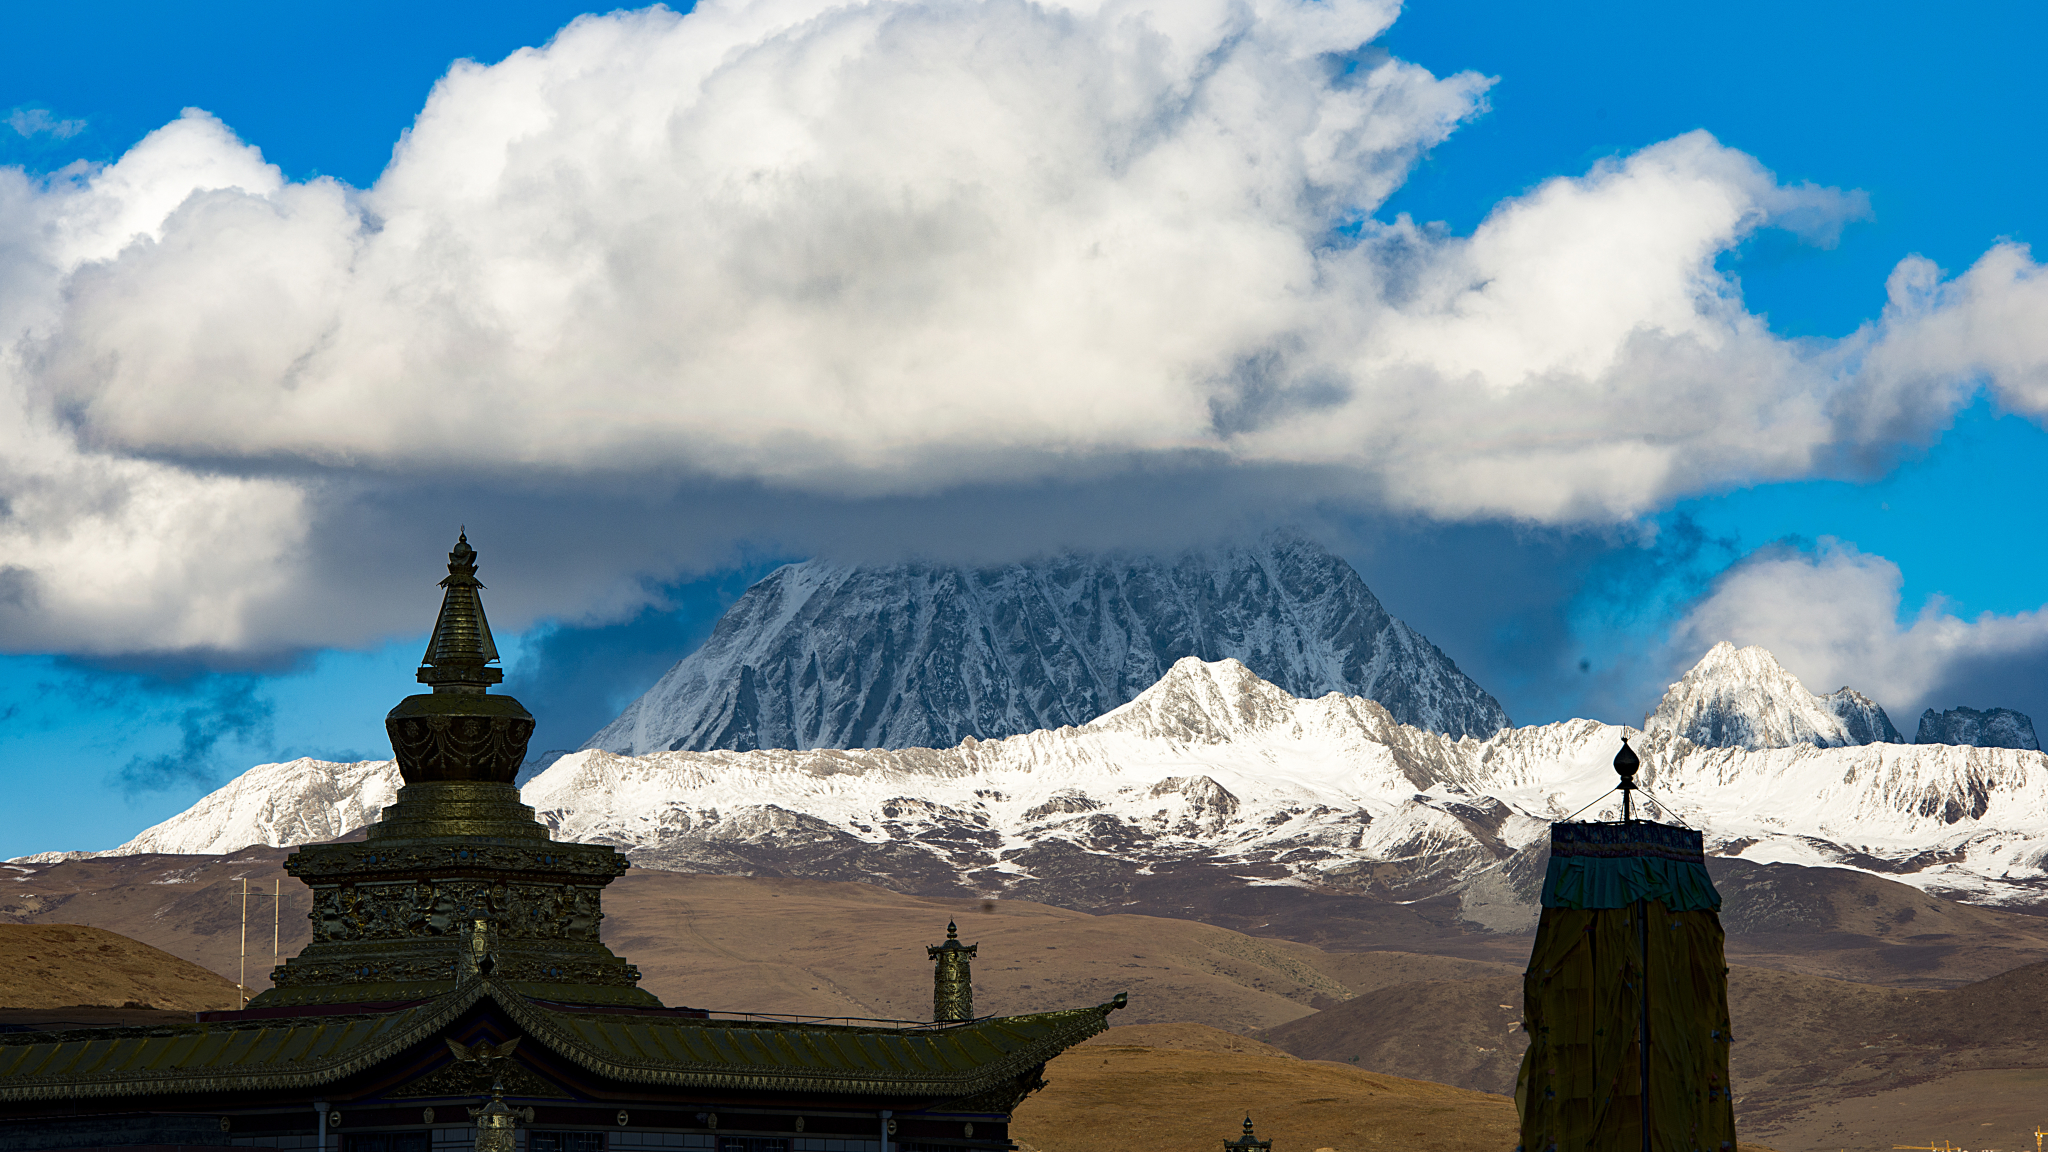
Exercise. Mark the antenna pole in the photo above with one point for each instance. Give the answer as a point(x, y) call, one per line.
point(1643, 1016)
point(242, 978)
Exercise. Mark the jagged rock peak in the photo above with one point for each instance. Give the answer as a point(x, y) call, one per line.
point(1992, 728)
point(1865, 722)
point(1743, 698)
point(826, 655)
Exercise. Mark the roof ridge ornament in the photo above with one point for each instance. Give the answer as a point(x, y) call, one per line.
point(1248, 1142)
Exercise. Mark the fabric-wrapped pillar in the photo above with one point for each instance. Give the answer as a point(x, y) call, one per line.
point(952, 977)
point(1627, 989)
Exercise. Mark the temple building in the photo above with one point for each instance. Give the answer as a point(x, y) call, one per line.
point(456, 995)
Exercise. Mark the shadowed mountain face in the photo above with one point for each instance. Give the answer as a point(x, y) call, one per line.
point(821, 655)
point(1991, 728)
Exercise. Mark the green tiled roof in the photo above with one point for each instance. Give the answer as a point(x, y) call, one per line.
point(938, 1060)
point(308, 1051)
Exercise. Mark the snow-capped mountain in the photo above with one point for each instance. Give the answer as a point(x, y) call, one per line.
point(822, 655)
point(1213, 764)
point(1743, 698)
point(1992, 728)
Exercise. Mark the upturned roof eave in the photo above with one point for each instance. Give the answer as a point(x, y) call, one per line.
point(555, 1028)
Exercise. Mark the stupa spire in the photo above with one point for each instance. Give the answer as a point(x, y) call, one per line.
point(460, 651)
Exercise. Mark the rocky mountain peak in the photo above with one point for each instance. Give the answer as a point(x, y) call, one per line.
point(1861, 718)
point(1991, 728)
point(825, 655)
point(1743, 698)
point(1203, 702)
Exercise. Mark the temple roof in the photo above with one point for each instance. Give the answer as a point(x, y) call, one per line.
point(254, 1055)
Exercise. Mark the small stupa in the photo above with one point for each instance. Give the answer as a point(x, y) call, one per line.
point(457, 876)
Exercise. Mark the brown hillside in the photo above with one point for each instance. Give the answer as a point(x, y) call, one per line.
point(61, 965)
point(189, 906)
point(1820, 921)
point(1814, 1061)
point(1183, 1035)
point(1150, 1099)
point(1174, 1087)
point(806, 946)
point(1462, 1032)
point(1854, 926)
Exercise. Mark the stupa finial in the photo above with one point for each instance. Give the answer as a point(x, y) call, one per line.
point(460, 652)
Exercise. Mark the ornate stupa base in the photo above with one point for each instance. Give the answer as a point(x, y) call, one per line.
point(456, 876)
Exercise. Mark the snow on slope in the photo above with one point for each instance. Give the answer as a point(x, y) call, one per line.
point(1213, 762)
point(822, 655)
point(301, 801)
point(1743, 698)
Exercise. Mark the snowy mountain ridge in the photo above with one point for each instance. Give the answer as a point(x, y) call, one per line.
point(1215, 764)
point(825, 655)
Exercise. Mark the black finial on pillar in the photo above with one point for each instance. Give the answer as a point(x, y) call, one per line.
point(1625, 764)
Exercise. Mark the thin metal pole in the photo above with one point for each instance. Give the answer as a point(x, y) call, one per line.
point(276, 895)
point(242, 980)
point(1643, 1021)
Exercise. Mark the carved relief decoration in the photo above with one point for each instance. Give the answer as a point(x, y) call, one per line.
point(428, 908)
point(475, 1077)
point(459, 747)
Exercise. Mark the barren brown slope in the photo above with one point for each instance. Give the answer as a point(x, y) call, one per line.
point(807, 946)
point(1150, 1099)
point(767, 945)
point(1461, 1032)
point(1814, 1061)
point(1821, 921)
point(1192, 1037)
point(62, 965)
point(1991, 1109)
point(189, 906)
point(1854, 926)
point(1813, 1053)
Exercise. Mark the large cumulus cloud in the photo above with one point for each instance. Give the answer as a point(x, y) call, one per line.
point(889, 251)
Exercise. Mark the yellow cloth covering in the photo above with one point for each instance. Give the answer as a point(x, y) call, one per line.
point(1580, 1085)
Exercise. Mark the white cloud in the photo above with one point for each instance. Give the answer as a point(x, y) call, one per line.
point(899, 247)
point(1832, 617)
point(31, 122)
point(105, 551)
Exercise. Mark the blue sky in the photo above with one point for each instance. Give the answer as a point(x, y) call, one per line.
point(602, 572)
